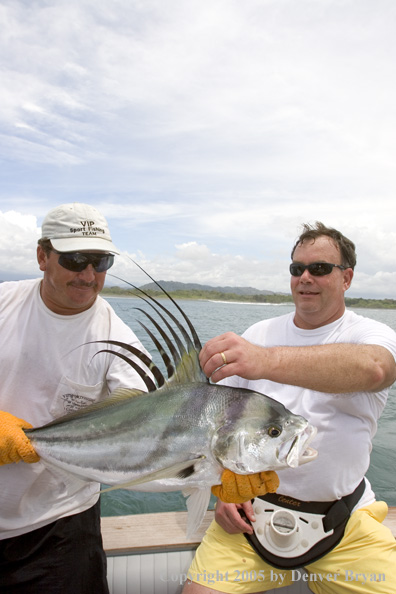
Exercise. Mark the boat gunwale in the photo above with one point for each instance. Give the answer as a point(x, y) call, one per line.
point(164, 532)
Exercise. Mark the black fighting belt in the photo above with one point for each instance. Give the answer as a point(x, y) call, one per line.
point(289, 533)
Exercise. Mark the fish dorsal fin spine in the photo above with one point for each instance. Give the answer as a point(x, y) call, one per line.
point(181, 340)
point(188, 370)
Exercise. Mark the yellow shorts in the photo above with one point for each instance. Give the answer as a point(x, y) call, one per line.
point(363, 562)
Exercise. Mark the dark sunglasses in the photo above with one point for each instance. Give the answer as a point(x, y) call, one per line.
point(316, 268)
point(78, 261)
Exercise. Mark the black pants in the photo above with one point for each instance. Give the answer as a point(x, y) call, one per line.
point(65, 557)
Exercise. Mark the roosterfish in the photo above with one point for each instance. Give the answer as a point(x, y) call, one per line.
point(179, 435)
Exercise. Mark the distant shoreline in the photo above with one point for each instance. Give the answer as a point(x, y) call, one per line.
point(218, 297)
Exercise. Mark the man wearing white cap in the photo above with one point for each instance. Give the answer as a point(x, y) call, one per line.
point(49, 536)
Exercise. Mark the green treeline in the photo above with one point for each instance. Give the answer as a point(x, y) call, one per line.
point(371, 303)
point(219, 296)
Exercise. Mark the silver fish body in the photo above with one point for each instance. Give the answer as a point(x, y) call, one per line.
point(190, 432)
point(181, 434)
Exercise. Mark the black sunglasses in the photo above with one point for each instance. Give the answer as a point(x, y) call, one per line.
point(316, 268)
point(78, 261)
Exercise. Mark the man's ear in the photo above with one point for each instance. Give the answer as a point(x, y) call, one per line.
point(348, 276)
point(41, 258)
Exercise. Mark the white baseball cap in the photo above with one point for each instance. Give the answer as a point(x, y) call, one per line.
point(74, 227)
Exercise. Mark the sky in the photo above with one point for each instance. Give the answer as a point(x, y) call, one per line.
point(206, 131)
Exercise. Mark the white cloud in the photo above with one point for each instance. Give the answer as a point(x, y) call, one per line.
point(207, 132)
point(238, 72)
point(18, 241)
point(192, 251)
point(197, 262)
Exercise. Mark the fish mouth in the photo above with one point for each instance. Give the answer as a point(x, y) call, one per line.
point(297, 451)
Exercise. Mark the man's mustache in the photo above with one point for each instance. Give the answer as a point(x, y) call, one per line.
point(82, 284)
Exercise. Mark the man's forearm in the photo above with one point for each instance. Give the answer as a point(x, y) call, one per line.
point(331, 368)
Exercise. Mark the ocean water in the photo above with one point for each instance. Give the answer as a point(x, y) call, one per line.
point(213, 318)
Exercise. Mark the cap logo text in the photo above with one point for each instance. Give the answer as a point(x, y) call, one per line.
point(87, 228)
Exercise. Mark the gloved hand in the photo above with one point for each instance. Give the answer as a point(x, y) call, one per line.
point(238, 488)
point(14, 444)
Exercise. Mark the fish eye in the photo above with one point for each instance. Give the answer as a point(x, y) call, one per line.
point(274, 431)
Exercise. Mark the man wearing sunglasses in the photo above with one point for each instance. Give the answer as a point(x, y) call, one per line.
point(333, 367)
point(50, 531)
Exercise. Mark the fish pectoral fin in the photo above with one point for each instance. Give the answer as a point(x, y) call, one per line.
point(178, 470)
point(197, 504)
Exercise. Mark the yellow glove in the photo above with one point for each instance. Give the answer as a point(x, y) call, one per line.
point(14, 444)
point(238, 488)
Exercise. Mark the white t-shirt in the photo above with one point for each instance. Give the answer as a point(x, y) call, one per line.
point(48, 369)
point(346, 423)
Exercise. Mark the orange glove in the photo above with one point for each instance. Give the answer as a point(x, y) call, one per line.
point(238, 488)
point(14, 444)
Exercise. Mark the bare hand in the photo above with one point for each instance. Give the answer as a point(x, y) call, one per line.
point(243, 358)
point(228, 517)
